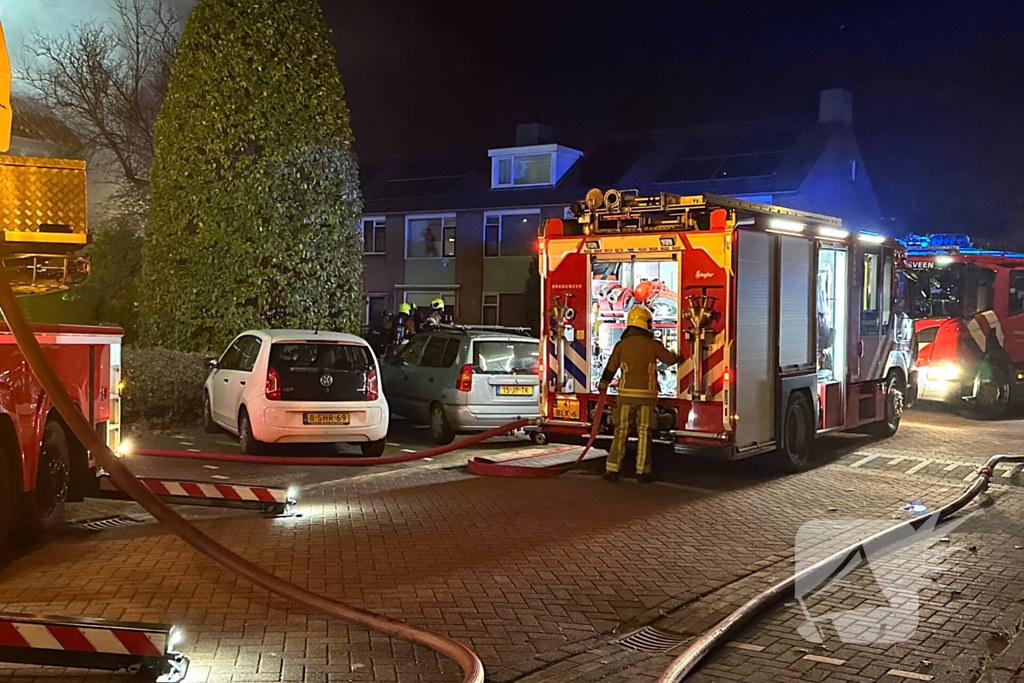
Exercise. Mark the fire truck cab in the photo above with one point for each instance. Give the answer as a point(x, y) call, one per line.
point(968, 304)
point(787, 325)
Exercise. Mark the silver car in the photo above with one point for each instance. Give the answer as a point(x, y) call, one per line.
point(464, 379)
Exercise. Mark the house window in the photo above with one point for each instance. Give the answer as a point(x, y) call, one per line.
point(491, 310)
point(511, 234)
point(430, 237)
point(373, 236)
point(522, 169)
point(423, 297)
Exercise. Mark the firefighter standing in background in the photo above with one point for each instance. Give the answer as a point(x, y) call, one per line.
point(437, 316)
point(404, 326)
point(637, 355)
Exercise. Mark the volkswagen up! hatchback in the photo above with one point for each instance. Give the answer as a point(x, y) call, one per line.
point(465, 379)
point(297, 386)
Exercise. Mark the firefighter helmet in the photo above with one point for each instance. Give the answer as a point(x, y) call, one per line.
point(437, 304)
point(639, 316)
point(405, 308)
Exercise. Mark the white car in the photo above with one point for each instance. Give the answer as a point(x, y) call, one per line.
point(297, 386)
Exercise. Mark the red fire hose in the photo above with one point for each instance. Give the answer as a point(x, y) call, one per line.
point(126, 481)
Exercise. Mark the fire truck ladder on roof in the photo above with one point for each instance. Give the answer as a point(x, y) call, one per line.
point(628, 212)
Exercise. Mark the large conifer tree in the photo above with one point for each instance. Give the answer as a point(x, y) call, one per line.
point(255, 189)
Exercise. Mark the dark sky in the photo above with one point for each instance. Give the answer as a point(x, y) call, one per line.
point(938, 86)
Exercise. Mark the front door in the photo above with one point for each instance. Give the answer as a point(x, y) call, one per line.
point(224, 377)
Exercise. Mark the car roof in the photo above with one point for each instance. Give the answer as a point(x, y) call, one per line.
point(309, 335)
point(483, 334)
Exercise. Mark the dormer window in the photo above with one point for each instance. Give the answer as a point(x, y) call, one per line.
point(530, 166)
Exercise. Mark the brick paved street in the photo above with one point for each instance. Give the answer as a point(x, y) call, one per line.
point(539, 577)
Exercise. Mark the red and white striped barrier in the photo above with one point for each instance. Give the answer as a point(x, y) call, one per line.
point(91, 644)
point(203, 493)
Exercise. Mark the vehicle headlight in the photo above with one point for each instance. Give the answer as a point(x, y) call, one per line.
point(943, 373)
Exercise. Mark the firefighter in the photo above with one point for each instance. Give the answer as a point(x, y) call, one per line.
point(404, 325)
point(637, 355)
point(437, 315)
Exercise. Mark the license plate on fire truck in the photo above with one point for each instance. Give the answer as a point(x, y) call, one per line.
point(566, 408)
point(325, 418)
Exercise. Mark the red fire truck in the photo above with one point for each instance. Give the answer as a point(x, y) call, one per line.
point(788, 325)
point(42, 227)
point(968, 303)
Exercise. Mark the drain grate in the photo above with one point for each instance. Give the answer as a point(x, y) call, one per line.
point(108, 523)
point(649, 639)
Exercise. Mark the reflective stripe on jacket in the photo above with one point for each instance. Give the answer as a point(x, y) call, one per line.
point(637, 355)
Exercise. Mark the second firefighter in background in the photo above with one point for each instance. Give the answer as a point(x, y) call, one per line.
point(637, 354)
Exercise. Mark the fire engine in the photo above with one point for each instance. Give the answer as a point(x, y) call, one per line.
point(787, 325)
point(42, 227)
point(968, 304)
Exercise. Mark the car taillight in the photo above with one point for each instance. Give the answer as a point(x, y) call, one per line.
point(273, 385)
point(372, 388)
point(465, 380)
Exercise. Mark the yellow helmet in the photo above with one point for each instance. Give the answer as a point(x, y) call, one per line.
point(405, 308)
point(437, 304)
point(639, 316)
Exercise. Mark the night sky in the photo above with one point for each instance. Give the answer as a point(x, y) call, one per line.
point(938, 87)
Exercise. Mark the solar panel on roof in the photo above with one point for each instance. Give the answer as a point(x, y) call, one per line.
point(605, 166)
point(737, 155)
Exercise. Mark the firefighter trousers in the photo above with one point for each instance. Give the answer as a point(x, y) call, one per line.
point(622, 417)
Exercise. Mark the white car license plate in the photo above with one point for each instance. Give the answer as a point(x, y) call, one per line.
point(325, 418)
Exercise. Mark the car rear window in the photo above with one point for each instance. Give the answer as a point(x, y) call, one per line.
point(304, 369)
point(505, 357)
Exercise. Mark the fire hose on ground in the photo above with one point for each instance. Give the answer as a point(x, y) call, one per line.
point(726, 629)
point(130, 484)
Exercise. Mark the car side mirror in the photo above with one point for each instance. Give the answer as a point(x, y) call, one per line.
point(212, 363)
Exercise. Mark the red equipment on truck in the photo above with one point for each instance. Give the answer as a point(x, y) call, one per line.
point(787, 325)
point(968, 304)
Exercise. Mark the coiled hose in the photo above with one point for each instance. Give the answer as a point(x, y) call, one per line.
point(730, 626)
point(126, 481)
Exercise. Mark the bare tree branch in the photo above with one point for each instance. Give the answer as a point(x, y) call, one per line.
point(107, 82)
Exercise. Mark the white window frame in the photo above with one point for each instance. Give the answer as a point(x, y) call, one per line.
point(496, 305)
point(383, 224)
point(429, 216)
point(499, 214)
point(433, 293)
point(512, 181)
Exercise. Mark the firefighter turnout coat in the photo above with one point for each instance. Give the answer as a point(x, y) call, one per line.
point(636, 355)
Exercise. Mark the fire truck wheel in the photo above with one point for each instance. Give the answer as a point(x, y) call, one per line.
point(209, 426)
point(8, 497)
point(993, 394)
point(894, 403)
point(798, 435)
point(53, 481)
point(440, 429)
point(250, 445)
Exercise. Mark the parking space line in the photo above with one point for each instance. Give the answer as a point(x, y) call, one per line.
point(952, 466)
point(971, 475)
point(896, 461)
point(1012, 471)
point(824, 660)
point(865, 460)
point(745, 646)
point(909, 674)
point(919, 466)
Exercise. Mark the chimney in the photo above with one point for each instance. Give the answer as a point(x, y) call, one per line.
point(533, 134)
point(836, 106)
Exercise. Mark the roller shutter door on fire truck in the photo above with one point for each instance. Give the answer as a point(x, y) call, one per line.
point(755, 339)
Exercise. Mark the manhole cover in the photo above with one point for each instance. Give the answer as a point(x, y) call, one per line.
point(107, 523)
point(650, 639)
